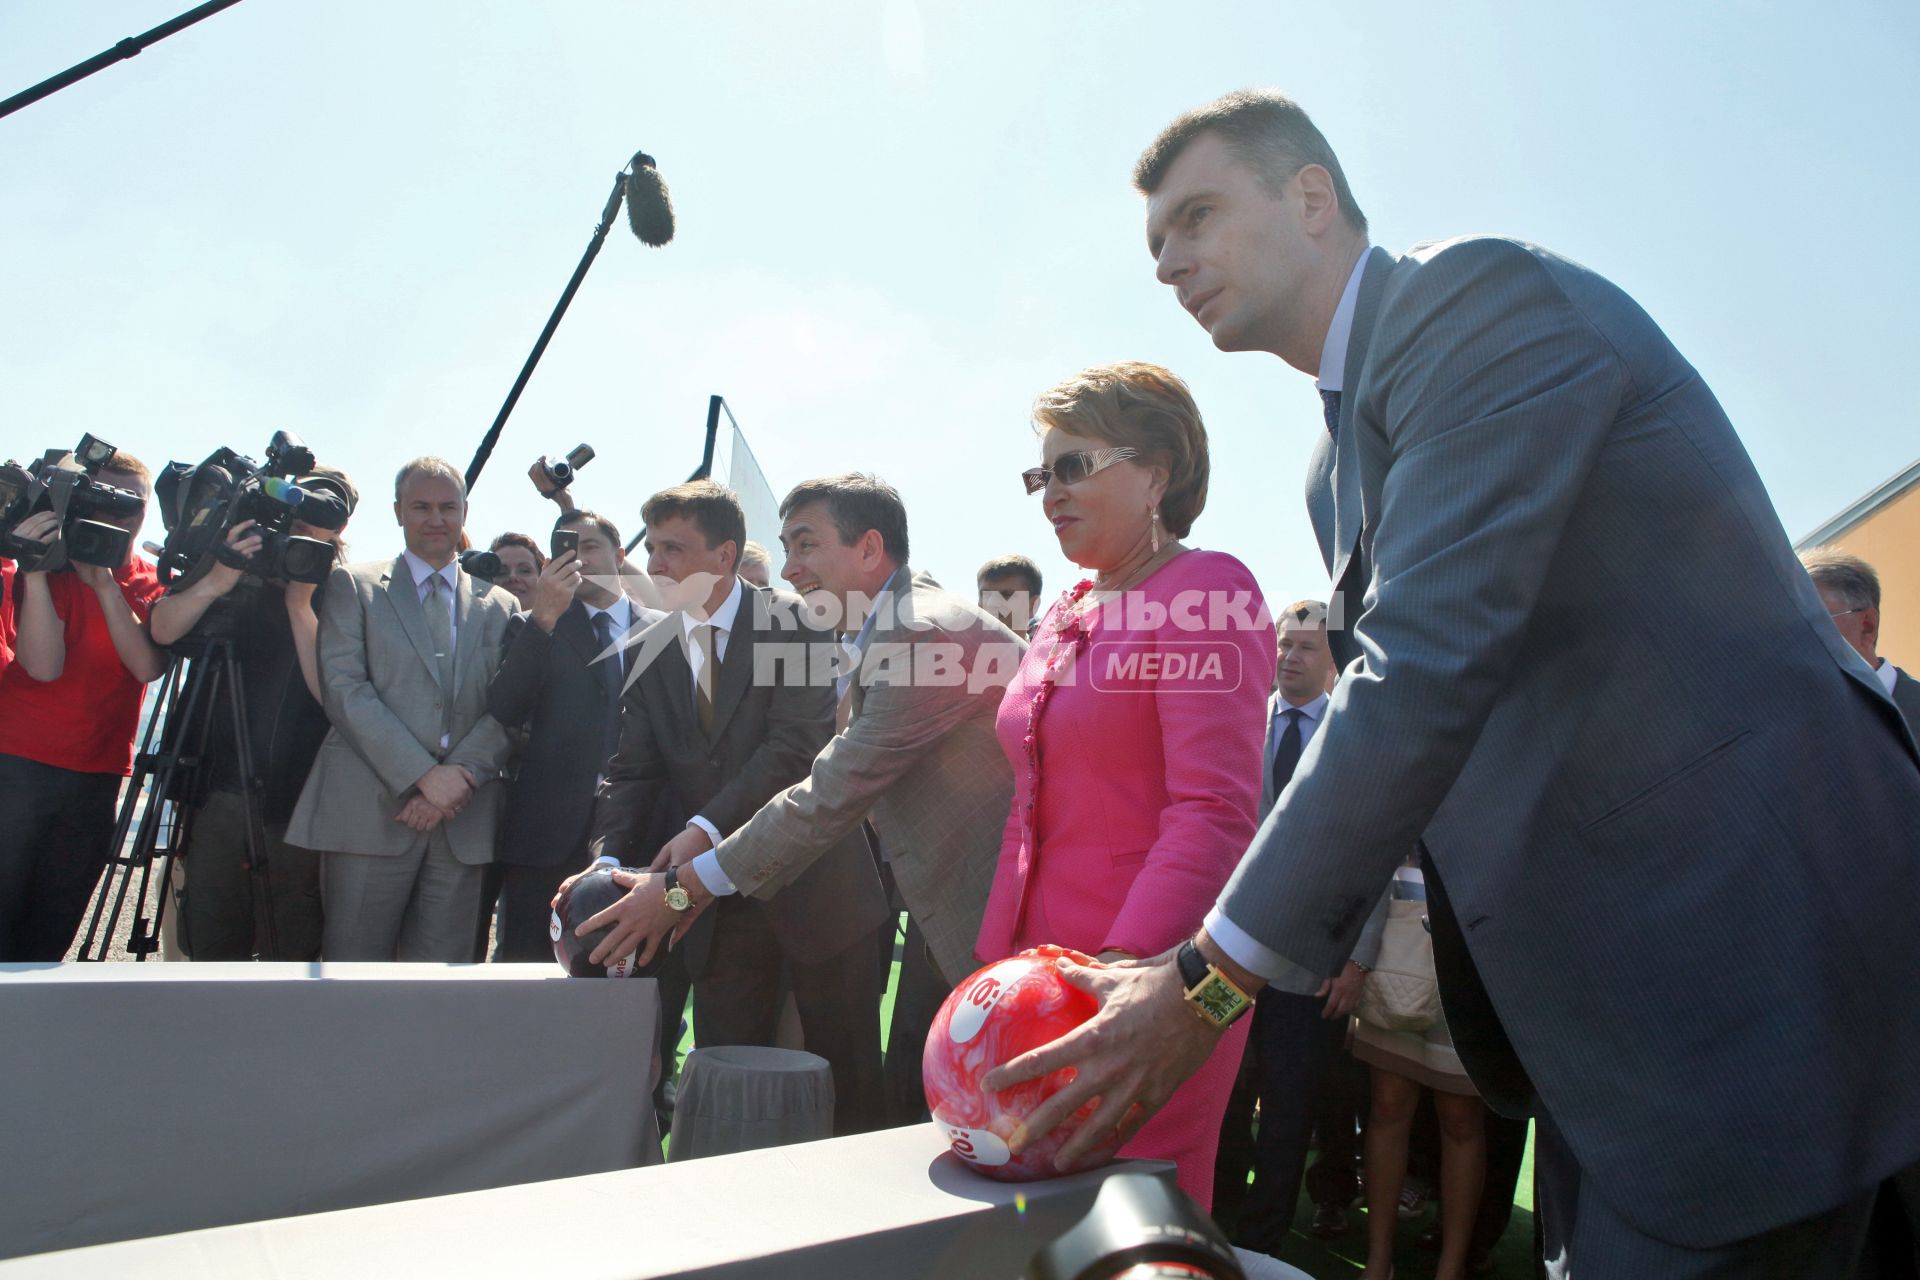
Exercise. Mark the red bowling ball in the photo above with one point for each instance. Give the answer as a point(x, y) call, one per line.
point(996, 1015)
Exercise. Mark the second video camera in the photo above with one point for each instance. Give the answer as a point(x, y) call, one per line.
point(201, 504)
point(67, 483)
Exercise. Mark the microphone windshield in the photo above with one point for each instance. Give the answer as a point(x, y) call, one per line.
point(649, 208)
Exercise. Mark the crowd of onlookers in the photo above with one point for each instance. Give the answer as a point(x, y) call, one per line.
point(431, 755)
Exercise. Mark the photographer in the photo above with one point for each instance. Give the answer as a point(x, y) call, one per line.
point(273, 628)
point(69, 708)
point(563, 678)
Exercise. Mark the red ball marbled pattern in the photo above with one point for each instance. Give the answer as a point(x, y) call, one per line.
point(996, 1015)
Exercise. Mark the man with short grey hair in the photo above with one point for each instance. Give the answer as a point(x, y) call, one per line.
point(1850, 589)
point(404, 799)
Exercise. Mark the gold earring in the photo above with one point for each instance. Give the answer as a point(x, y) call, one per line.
point(1153, 527)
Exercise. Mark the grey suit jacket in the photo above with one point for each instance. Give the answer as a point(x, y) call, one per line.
point(1673, 811)
point(920, 757)
point(382, 692)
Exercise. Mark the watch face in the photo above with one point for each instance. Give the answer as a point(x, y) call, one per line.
point(677, 898)
point(1217, 1000)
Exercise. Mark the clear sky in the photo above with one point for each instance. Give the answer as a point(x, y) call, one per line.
point(898, 222)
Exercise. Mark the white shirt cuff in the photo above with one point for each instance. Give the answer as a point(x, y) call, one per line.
point(606, 860)
point(712, 878)
point(713, 832)
point(1255, 957)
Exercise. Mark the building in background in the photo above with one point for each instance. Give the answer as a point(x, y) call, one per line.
point(1883, 528)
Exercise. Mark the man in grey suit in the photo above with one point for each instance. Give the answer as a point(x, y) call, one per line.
point(404, 797)
point(1850, 589)
point(1668, 835)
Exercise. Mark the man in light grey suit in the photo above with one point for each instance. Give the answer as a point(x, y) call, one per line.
point(1668, 835)
point(925, 672)
point(404, 799)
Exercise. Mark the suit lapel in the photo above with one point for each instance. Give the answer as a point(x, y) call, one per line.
point(405, 598)
point(1344, 479)
point(465, 638)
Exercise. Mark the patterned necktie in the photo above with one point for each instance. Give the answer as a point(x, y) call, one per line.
point(1330, 404)
point(703, 637)
point(440, 631)
point(1286, 752)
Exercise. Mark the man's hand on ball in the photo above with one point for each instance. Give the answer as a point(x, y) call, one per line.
point(1131, 1055)
point(641, 917)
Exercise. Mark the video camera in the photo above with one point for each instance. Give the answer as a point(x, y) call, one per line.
point(482, 564)
point(560, 473)
point(67, 483)
point(201, 504)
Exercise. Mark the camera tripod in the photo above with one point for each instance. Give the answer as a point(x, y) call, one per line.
point(170, 774)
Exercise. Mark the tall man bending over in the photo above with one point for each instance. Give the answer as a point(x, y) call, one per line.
point(1611, 798)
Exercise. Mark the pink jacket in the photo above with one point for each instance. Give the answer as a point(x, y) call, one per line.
point(1149, 769)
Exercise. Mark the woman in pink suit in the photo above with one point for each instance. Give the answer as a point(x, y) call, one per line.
point(1135, 723)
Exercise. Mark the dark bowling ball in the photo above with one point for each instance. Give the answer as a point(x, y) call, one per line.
point(591, 894)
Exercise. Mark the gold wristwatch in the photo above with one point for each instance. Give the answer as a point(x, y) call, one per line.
point(1211, 994)
point(677, 897)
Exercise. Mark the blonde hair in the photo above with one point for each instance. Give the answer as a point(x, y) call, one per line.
point(1146, 407)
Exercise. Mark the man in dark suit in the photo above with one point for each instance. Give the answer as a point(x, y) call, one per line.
point(1850, 589)
point(723, 708)
point(1617, 789)
point(562, 675)
point(1296, 1035)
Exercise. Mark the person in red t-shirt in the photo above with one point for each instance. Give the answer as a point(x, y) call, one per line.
point(69, 707)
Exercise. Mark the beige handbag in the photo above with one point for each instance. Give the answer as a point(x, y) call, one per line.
point(1401, 992)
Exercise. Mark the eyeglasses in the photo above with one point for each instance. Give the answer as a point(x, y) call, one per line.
point(1844, 612)
point(1074, 467)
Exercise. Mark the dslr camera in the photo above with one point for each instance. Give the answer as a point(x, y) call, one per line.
point(67, 483)
point(201, 504)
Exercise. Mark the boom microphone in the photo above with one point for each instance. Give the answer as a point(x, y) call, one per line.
point(649, 208)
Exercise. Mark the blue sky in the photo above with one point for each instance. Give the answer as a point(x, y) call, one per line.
point(898, 222)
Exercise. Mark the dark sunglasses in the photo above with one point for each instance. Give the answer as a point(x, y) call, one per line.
point(1074, 467)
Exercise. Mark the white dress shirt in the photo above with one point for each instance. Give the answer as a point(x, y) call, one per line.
point(421, 571)
point(1333, 352)
point(1889, 675)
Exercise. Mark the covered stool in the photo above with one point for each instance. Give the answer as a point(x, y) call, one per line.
point(743, 1097)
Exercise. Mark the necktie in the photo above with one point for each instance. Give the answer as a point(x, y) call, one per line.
point(606, 665)
point(608, 671)
point(1286, 752)
point(1330, 405)
point(703, 636)
point(440, 630)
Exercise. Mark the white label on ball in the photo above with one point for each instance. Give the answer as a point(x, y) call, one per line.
point(623, 966)
point(978, 1146)
point(554, 926)
point(986, 992)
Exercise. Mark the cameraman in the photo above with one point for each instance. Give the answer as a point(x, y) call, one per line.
point(69, 708)
point(273, 627)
